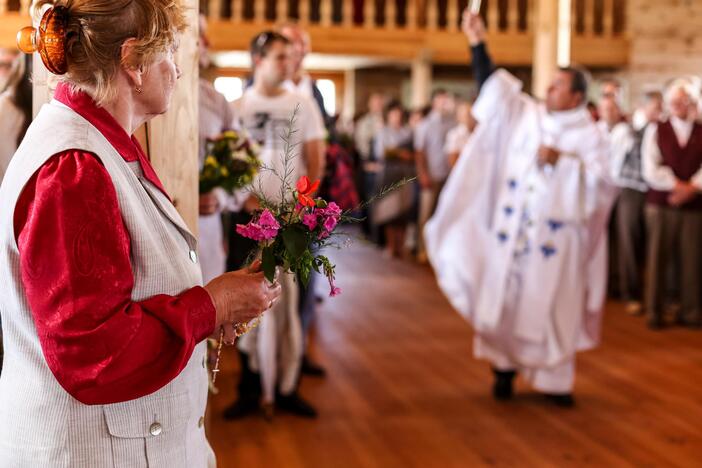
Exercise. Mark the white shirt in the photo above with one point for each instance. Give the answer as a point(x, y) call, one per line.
point(267, 119)
point(457, 138)
point(304, 87)
point(11, 123)
point(657, 175)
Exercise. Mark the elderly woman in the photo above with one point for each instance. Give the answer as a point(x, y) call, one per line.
point(102, 309)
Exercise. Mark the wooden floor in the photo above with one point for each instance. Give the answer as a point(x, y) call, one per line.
point(403, 391)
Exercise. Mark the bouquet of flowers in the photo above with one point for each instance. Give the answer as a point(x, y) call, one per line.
point(232, 162)
point(289, 234)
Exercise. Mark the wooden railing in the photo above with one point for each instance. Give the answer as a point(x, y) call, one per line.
point(380, 27)
point(399, 29)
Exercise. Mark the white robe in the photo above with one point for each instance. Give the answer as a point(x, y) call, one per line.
point(520, 251)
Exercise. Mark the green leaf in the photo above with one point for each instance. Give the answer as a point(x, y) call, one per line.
point(296, 241)
point(268, 264)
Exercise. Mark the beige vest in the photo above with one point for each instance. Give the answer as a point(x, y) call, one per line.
point(40, 423)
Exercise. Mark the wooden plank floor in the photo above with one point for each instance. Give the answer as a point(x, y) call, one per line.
point(403, 391)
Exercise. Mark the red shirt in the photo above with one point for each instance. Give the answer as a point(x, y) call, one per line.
point(101, 346)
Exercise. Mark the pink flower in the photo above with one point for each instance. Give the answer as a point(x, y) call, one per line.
point(333, 210)
point(310, 220)
point(334, 290)
point(330, 224)
point(263, 229)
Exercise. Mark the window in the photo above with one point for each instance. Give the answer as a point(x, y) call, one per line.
point(231, 87)
point(328, 90)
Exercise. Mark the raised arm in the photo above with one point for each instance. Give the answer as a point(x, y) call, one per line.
point(474, 29)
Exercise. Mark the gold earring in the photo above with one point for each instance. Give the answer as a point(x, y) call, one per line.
point(138, 90)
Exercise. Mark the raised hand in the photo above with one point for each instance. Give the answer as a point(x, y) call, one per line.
point(473, 27)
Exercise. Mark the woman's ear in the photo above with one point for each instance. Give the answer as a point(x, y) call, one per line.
point(129, 63)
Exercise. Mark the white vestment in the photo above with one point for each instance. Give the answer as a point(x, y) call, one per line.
point(521, 250)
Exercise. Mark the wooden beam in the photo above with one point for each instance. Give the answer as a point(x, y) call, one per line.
point(545, 54)
point(173, 137)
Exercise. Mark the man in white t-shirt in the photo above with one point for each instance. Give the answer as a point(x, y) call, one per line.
point(273, 351)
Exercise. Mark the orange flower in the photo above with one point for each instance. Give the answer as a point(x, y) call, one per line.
point(305, 189)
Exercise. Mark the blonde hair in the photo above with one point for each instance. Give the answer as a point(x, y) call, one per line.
point(97, 29)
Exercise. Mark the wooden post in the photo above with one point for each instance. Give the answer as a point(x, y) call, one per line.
point(452, 15)
point(565, 28)
point(493, 16)
point(259, 11)
point(349, 106)
point(281, 10)
point(304, 9)
point(173, 137)
point(432, 15)
point(390, 14)
point(608, 18)
point(589, 18)
point(325, 13)
point(369, 14)
point(25, 5)
point(421, 79)
point(347, 13)
point(3, 6)
point(237, 9)
point(545, 45)
point(214, 9)
point(513, 16)
point(412, 14)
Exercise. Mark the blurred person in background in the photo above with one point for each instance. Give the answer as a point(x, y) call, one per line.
point(7, 59)
point(15, 109)
point(626, 144)
point(271, 354)
point(459, 135)
point(393, 148)
point(672, 168)
point(431, 160)
point(215, 116)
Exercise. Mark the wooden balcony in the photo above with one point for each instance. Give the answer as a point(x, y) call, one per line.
point(399, 29)
point(405, 29)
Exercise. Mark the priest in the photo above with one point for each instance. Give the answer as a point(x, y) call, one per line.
point(518, 241)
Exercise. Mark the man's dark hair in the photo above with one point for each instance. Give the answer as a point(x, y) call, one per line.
point(438, 92)
point(578, 83)
point(262, 43)
point(391, 106)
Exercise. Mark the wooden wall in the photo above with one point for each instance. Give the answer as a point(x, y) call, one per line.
point(665, 42)
point(173, 137)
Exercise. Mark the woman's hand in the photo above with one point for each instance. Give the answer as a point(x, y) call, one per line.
point(241, 296)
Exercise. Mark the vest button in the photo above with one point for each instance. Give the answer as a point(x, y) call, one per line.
point(201, 422)
point(155, 429)
point(193, 256)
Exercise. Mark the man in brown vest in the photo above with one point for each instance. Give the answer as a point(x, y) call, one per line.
point(672, 167)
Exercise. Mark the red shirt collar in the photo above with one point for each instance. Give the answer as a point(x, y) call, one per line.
point(128, 147)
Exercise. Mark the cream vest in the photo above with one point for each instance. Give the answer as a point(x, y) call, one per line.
point(40, 423)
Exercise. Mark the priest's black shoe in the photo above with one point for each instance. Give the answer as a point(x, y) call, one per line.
point(294, 404)
point(564, 400)
point(502, 389)
point(311, 368)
